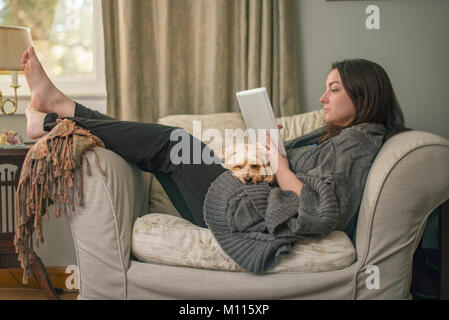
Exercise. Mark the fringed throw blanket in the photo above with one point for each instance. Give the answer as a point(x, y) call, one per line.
point(48, 177)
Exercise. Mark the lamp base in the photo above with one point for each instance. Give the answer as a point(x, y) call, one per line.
point(12, 101)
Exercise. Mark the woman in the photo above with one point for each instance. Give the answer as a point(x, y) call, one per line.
point(319, 187)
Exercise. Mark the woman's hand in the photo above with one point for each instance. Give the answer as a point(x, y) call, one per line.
point(286, 179)
point(277, 161)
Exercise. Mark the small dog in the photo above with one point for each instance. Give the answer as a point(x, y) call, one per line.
point(248, 162)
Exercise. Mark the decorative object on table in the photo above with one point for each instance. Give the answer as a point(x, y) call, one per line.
point(13, 42)
point(11, 139)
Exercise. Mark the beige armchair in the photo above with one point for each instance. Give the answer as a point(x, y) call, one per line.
point(408, 180)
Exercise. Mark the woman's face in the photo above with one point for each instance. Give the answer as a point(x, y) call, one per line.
point(338, 107)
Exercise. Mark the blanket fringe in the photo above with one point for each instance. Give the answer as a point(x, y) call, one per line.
point(48, 177)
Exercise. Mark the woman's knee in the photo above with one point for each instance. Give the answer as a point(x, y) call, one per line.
point(187, 149)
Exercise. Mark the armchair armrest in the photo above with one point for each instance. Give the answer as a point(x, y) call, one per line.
point(102, 228)
point(408, 180)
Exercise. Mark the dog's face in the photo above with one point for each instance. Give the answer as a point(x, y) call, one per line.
point(248, 162)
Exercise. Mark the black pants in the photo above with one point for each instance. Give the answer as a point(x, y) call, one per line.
point(148, 146)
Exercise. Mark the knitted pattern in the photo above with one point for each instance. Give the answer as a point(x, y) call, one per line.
point(255, 223)
point(236, 215)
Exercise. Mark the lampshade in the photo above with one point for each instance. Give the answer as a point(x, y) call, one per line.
point(13, 42)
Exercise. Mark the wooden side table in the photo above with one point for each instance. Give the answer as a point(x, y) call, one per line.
point(9, 181)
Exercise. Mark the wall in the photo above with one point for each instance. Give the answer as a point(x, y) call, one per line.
point(412, 45)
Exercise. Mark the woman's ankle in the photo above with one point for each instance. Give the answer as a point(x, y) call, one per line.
point(66, 108)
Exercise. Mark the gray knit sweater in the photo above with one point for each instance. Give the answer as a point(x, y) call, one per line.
point(255, 223)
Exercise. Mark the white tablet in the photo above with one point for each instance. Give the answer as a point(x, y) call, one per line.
point(258, 113)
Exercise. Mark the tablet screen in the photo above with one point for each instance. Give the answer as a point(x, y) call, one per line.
point(258, 113)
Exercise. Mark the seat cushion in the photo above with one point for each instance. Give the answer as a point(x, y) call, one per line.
point(171, 240)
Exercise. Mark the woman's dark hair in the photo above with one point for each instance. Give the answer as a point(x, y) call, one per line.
point(369, 87)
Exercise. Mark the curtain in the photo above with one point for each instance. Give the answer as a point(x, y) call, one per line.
point(168, 57)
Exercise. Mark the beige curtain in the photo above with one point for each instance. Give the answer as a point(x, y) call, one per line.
point(168, 57)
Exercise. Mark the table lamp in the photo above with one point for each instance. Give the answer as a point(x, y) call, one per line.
point(13, 42)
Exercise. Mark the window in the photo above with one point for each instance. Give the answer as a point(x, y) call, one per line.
point(68, 38)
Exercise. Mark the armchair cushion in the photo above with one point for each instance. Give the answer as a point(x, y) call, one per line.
point(170, 240)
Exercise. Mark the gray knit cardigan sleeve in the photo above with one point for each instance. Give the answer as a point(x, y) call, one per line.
point(333, 180)
point(255, 223)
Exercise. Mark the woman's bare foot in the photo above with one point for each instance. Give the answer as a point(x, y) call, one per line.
point(35, 123)
point(45, 97)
